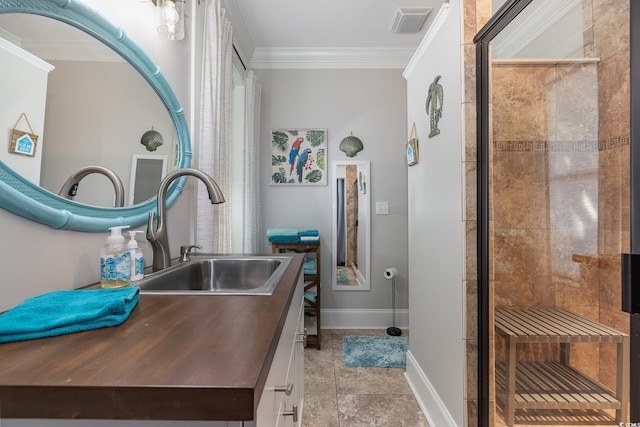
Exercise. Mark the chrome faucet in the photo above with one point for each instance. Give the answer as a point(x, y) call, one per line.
point(157, 227)
point(70, 187)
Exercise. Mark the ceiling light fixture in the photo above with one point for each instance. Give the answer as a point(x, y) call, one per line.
point(409, 20)
point(170, 18)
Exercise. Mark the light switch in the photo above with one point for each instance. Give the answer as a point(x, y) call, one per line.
point(382, 208)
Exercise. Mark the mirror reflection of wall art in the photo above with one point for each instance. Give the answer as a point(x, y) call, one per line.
point(22, 142)
point(362, 181)
point(151, 139)
point(412, 147)
point(298, 156)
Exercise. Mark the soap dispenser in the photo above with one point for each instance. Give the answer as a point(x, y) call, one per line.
point(137, 257)
point(115, 260)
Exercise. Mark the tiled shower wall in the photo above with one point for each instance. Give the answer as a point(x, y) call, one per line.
point(475, 14)
point(560, 187)
point(351, 183)
point(541, 162)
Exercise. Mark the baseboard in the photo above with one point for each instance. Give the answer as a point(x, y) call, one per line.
point(363, 319)
point(432, 406)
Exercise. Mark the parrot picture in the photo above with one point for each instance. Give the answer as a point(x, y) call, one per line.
point(293, 153)
point(304, 156)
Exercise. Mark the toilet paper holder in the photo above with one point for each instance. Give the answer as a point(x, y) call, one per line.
point(390, 274)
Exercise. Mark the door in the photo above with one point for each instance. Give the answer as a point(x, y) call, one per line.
point(554, 211)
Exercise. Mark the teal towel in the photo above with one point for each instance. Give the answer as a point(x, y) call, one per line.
point(282, 232)
point(66, 312)
point(309, 233)
point(284, 239)
point(310, 266)
point(311, 297)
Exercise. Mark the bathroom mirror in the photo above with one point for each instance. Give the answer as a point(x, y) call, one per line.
point(351, 223)
point(25, 198)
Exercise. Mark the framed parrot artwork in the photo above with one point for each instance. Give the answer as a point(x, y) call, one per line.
point(298, 157)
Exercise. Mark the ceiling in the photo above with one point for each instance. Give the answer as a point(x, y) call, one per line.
point(324, 33)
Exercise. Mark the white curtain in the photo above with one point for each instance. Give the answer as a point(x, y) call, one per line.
point(213, 222)
point(252, 218)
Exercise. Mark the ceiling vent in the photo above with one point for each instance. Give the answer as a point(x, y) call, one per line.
point(409, 20)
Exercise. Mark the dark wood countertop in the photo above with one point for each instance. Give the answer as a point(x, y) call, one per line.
point(175, 358)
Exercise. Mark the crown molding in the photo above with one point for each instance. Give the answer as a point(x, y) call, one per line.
point(72, 50)
point(64, 50)
point(331, 58)
point(25, 56)
point(433, 30)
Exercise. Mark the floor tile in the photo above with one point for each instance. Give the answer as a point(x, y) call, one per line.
point(321, 379)
point(371, 380)
point(356, 410)
point(336, 396)
point(320, 410)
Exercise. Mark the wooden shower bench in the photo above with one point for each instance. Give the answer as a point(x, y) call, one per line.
point(557, 385)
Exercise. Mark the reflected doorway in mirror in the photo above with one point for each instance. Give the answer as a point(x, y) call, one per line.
point(351, 228)
point(146, 171)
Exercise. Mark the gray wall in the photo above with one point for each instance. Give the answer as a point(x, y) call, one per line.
point(435, 226)
point(35, 258)
point(372, 104)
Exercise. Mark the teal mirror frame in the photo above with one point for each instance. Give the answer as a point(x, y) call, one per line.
point(28, 200)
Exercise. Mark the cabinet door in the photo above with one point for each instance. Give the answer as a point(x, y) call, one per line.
point(274, 402)
point(298, 362)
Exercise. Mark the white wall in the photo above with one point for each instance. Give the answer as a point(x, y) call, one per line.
point(23, 88)
point(101, 129)
point(435, 362)
point(35, 258)
point(372, 104)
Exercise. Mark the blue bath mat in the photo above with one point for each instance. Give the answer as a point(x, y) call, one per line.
point(343, 275)
point(379, 352)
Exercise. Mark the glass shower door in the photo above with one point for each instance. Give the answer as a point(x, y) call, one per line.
point(558, 217)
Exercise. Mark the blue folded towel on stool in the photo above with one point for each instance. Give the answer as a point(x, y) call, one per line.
point(66, 312)
point(310, 266)
point(271, 232)
point(284, 239)
point(309, 233)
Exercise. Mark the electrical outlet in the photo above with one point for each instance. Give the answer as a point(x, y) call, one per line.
point(382, 208)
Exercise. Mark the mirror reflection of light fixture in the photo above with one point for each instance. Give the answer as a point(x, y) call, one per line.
point(171, 18)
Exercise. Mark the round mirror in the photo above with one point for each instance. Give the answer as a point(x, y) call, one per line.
point(104, 104)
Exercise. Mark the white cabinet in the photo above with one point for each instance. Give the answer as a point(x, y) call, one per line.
point(283, 392)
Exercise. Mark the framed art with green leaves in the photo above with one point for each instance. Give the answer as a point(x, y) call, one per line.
point(298, 156)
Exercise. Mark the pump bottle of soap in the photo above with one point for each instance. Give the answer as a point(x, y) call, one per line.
point(137, 257)
point(115, 260)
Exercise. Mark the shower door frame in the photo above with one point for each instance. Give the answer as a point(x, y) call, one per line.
point(496, 24)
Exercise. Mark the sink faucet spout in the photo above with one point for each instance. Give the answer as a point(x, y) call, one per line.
point(70, 186)
point(157, 225)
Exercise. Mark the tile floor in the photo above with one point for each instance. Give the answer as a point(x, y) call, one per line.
point(335, 396)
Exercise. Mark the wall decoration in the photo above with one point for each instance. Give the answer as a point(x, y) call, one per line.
point(351, 145)
point(298, 156)
point(22, 142)
point(152, 139)
point(411, 147)
point(362, 181)
point(434, 105)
